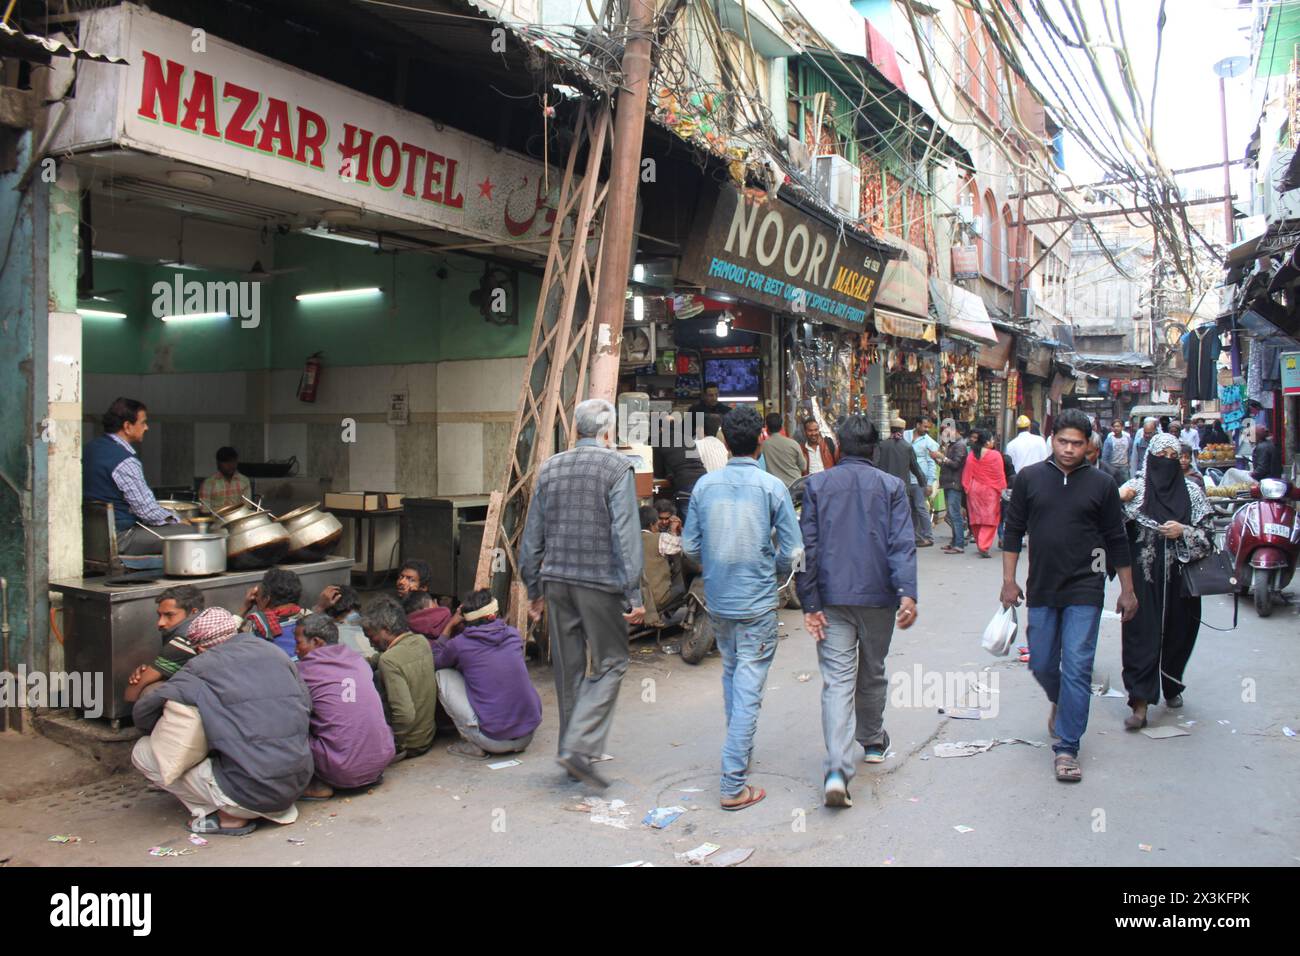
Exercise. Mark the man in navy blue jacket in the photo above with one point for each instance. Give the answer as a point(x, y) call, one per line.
point(859, 578)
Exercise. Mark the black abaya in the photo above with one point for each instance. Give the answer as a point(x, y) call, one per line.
point(1158, 642)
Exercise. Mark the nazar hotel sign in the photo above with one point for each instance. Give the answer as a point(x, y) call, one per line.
point(220, 106)
point(771, 253)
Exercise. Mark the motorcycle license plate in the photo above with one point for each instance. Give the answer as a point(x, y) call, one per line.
point(1280, 530)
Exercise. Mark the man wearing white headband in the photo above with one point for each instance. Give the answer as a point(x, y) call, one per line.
point(483, 682)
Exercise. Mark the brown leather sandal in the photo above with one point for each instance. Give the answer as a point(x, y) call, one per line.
point(1067, 768)
point(749, 797)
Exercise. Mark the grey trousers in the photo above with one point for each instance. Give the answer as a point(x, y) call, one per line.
point(135, 540)
point(198, 789)
point(921, 523)
point(584, 622)
point(455, 700)
point(854, 687)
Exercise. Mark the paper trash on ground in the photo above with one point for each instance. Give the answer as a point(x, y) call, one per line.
point(661, 817)
point(967, 748)
point(965, 713)
point(699, 854)
point(612, 813)
point(1163, 733)
point(502, 764)
point(63, 838)
point(1288, 731)
point(730, 857)
point(963, 829)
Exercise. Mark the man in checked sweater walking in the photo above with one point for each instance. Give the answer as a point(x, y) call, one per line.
point(580, 558)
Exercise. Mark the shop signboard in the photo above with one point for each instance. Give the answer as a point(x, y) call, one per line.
point(1291, 373)
point(996, 356)
point(225, 108)
point(965, 262)
point(905, 285)
point(771, 253)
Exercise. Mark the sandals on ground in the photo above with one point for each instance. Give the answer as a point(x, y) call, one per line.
point(751, 795)
point(1067, 768)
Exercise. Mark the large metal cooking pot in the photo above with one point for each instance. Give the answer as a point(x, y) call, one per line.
point(258, 542)
point(192, 555)
point(234, 512)
point(182, 509)
point(258, 519)
point(300, 517)
point(313, 536)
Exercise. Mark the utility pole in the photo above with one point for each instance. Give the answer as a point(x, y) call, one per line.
point(624, 176)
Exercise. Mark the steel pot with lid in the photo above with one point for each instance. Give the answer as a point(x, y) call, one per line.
point(256, 542)
point(301, 517)
point(234, 512)
point(313, 536)
point(192, 555)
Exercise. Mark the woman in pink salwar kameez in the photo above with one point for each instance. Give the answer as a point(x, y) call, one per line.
point(983, 480)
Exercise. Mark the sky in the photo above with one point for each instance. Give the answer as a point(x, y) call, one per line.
point(1197, 34)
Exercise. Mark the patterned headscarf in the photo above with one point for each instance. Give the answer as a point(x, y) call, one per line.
point(1135, 510)
point(1161, 441)
point(210, 627)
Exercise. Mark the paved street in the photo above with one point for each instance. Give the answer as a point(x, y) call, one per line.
point(1222, 795)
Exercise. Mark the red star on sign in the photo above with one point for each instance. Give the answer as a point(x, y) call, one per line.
point(485, 188)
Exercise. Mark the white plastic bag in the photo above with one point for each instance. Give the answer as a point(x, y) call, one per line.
point(1000, 634)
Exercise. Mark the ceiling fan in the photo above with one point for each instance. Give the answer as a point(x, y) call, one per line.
point(259, 274)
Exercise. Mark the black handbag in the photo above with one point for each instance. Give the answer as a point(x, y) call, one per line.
point(1214, 574)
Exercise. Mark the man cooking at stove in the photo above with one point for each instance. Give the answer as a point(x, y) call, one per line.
point(227, 487)
point(111, 472)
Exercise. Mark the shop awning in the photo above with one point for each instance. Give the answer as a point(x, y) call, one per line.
point(904, 326)
point(962, 311)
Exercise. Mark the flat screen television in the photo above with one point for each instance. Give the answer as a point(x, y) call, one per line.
point(736, 378)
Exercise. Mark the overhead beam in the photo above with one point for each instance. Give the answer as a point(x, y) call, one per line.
point(1136, 210)
point(1126, 179)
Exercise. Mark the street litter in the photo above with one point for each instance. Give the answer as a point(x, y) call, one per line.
point(1144, 847)
point(1187, 723)
point(699, 854)
point(169, 851)
point(967, 748)
point(672, 649)
point(803, 678)
point(690, 789)
point(913, 799)
point(730, 857)
point(1224, 722)
point(889, 860)
point(297, 841)
point(660, 817)
point(1288, 731)
point(502, 764)
point(602, 758)
point(979, 688)
point(198, 840)
point(963, 713)
point(636, 863)
point(63, 838)
point(962, 829)
point(612, 813)
point(1163, 733)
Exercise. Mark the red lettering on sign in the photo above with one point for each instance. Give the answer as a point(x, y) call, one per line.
point(202, 105)
point(157, 89)
point(275, 128)
point(387, 178)
point(248, 100)
point(356, 154)
point(433, 174)
point(452, 199)
point(311, 136)
point(412, 160)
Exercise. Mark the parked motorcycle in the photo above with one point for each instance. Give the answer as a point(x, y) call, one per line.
point(1264, 539)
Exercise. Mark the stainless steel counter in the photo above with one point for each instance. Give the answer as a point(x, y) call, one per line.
point(111, 628)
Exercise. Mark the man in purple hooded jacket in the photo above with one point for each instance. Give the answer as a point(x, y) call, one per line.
point(483, 682)
point(350, 740)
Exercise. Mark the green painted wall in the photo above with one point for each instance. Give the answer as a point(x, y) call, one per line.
point(418, 318)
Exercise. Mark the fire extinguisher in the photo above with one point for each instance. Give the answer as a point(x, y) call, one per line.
point(310, 380)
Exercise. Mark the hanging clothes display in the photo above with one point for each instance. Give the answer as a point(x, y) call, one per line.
point(1201, 348)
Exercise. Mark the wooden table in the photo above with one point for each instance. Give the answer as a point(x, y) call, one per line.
point(360, 516)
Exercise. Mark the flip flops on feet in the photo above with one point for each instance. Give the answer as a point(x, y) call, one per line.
point(746, 798)
point(210, 825)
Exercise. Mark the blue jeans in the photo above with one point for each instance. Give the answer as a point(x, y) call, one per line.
point(952, 505)
point(747, 649)
point(1062, 645)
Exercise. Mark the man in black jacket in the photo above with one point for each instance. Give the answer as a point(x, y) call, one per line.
point(897, 457)
point(1072, 514)
point(1267, 462)
point(255, 711)
point(952, 462)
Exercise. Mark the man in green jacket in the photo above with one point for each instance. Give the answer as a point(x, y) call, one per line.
point(404, 676)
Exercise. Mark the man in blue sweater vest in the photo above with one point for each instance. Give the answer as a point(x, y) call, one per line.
point(111, 472)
